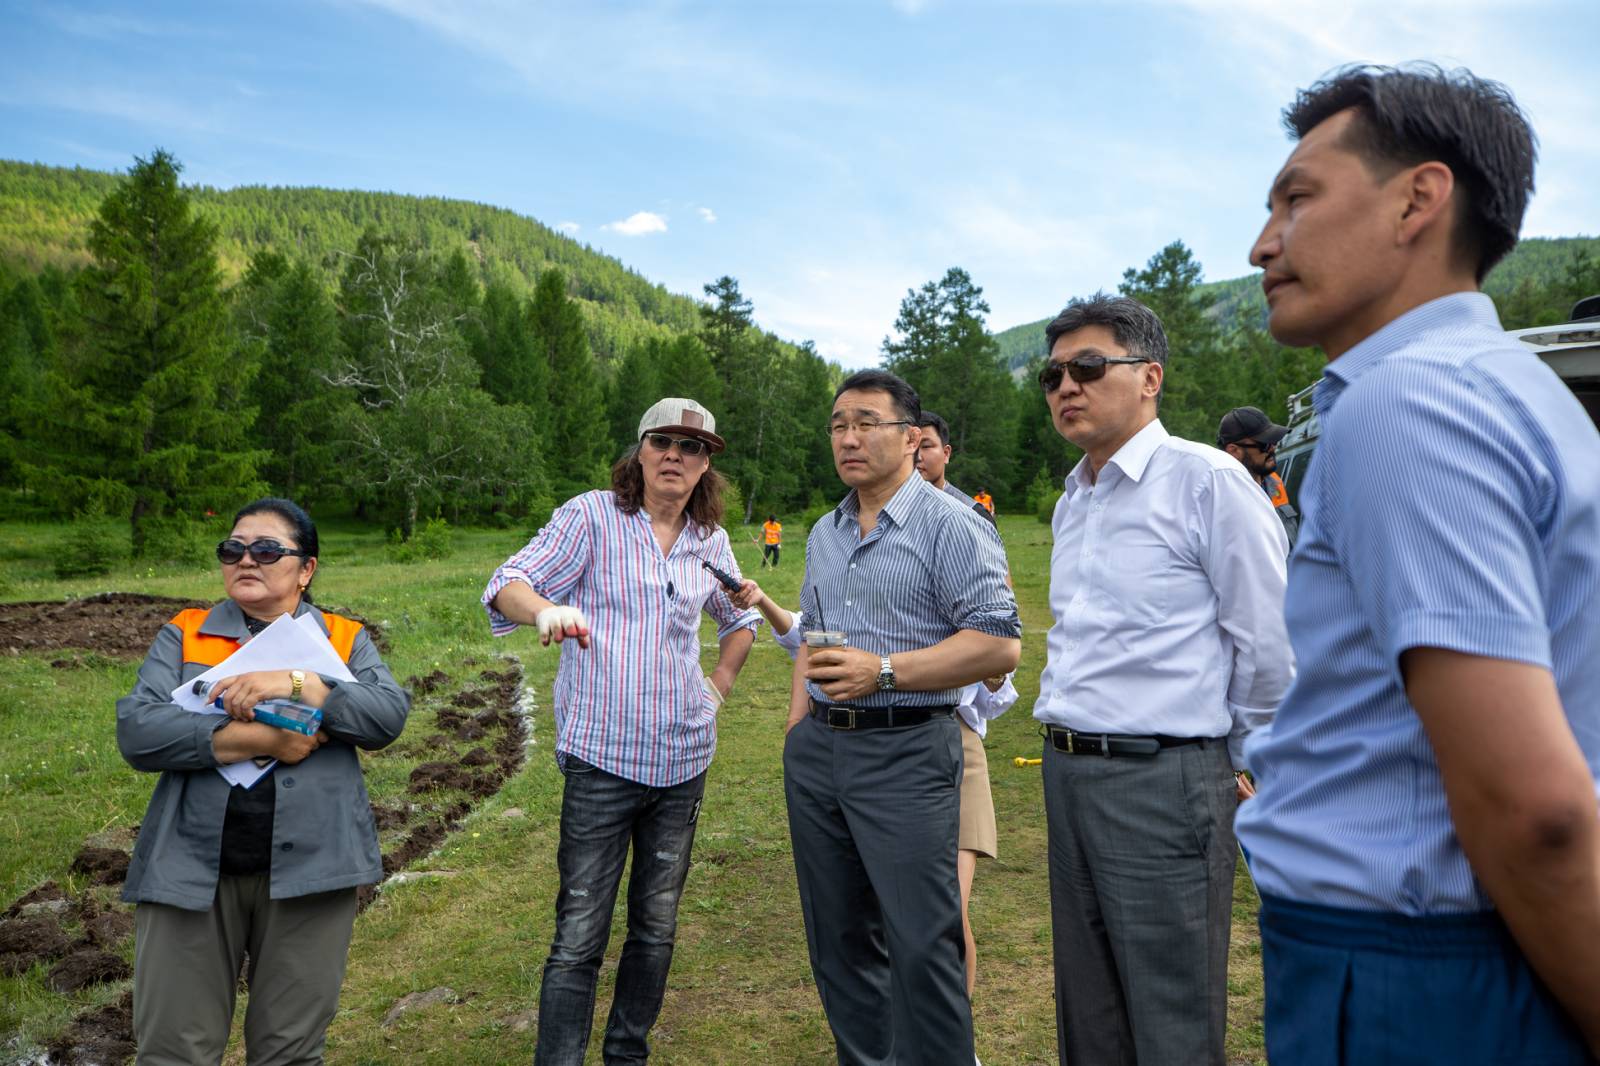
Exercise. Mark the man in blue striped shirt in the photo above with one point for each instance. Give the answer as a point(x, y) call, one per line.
point(1425, 837)
point(872, 757)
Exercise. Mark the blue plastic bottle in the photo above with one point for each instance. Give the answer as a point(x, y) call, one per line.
point(282, 714)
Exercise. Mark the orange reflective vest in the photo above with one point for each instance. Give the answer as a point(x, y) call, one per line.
point(208, 650)
point(985, 499)
point(1275, 490)
point(774, 532)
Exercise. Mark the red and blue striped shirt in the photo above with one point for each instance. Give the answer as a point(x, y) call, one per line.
point(634, 703)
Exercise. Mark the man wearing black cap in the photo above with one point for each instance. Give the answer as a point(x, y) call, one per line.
point(1251, 437)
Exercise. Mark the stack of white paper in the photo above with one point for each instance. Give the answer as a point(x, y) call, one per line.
point(287, 644)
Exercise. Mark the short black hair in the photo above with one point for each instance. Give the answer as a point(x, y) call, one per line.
point(939, 425)
point(905, 398)
point(1420, 113)
point(305, 530)
point(1135, 326)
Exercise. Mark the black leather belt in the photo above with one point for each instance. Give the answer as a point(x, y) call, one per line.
point(845, 716)
point(1071, 742)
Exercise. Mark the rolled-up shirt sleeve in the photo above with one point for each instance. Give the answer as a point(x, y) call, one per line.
point(1244, 549)
point(970, 577)
point(790, 641)
point(551, 563)
point(155, 734)
point(729, 618)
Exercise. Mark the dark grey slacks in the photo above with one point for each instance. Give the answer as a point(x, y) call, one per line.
point(1141, 899)
point(186, 972)
point(873, 817)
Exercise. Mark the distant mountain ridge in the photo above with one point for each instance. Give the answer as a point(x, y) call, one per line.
point(1536, 259)
point(45, 213)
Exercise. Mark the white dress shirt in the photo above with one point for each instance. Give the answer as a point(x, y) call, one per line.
point(979, 706)
point(1166, 585)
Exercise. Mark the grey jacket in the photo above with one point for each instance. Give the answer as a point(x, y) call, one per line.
point(323, 837)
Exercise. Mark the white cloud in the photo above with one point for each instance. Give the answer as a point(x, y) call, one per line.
point(569, 228)
point(638, 224)
point(707, 214)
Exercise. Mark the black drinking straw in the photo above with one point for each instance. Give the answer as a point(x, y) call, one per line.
point(818, 596)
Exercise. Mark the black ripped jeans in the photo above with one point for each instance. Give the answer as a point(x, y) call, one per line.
point(601, 815)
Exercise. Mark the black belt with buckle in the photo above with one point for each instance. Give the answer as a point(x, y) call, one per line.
point(1071, 742)
point(845, 716)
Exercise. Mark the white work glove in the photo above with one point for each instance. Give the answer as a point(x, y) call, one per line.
point(712, 692)
point(557, 623)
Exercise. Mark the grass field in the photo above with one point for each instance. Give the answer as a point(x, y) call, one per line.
point(741, 989)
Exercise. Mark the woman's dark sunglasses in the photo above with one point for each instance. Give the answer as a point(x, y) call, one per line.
point(1082, 369)
point(264, 552)
point(687, 445)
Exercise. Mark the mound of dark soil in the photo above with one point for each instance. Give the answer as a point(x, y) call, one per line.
point(105, 926)
point(477, 757)
point(428, 682)
point(87, 965)
point(436, 775)
point(112, 623)
point(43, 894)
point(471, 699)
point(26, 942)
point(423, 839)
point(390, 817)
point(99, 1037)
point(120, 624)
point(103, 866)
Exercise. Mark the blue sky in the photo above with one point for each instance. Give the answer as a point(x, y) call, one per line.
point(828, 155)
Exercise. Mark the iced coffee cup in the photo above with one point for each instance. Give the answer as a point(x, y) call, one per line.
point(824, 638)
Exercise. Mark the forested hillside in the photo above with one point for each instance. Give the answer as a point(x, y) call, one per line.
point(45, 214)
point(1532, 287)
point(167, 351)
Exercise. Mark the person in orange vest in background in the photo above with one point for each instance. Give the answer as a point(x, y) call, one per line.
point(1247, 434)
point(771, 540)
point(987, 500)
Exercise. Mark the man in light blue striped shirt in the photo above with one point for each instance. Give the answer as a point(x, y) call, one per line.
point(1426, 836)
point(872, 758)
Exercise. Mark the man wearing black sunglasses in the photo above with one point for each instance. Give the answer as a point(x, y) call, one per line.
point(1247, 434)
point(1168, 648)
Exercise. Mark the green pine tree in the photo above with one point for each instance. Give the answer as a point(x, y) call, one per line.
point(299, 412)
point(724, 322)
point(949, 357)
point(632, 389)
point(150, 416)
point(1202, 381)
point(579, 427)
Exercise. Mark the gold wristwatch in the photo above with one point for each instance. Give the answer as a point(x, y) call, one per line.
point(299, 679)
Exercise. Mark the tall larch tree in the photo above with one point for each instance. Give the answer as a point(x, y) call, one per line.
point(152, 416)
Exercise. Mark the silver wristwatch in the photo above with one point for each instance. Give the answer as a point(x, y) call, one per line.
point(885, 675)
